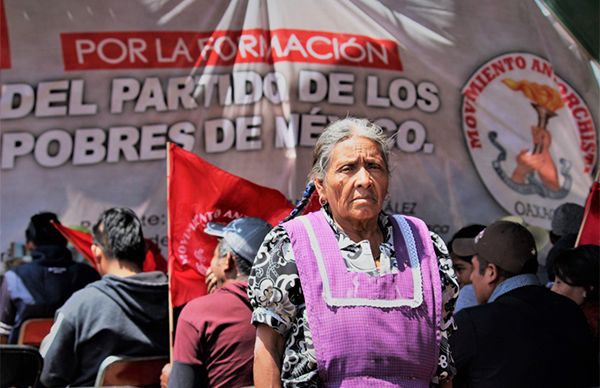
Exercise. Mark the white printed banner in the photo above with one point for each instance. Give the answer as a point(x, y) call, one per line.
point(491, 109)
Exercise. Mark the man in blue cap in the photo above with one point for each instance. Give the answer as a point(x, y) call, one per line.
point(214, 342)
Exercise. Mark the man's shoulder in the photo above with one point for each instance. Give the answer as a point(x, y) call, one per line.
point(84, 297)
point(216, 301)
point(522, 306)
point(84, 268)
point(537, 296)
point(476, 312)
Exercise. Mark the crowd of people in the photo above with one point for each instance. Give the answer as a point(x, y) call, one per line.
point(346, 296)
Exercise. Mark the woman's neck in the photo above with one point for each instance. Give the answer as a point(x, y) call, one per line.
point(363, 230)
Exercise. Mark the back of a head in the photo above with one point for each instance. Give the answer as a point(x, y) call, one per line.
point(566, 220)
point(580, 267)
point(41, 232)
point(564, 243)
point(243, 237)
point(119, 233)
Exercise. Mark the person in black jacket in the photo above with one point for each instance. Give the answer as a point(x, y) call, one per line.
point(37, 289)
point(521, 334)
point(125, 313)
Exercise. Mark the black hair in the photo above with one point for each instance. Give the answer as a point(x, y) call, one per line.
point(564, 243)
point(41, 232)
point(470, 231)
point(579, 267)
point(243, 265)
point(119, 234)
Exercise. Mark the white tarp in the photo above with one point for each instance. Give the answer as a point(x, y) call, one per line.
point(91, 91)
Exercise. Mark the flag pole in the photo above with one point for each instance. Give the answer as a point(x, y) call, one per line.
point(587, 208)
point(169, 261)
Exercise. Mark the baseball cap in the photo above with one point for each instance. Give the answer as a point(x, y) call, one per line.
point(244, 235)
point(507, 244)
point(567, 219)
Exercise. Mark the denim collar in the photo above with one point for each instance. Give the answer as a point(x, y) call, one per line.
point(513, 283)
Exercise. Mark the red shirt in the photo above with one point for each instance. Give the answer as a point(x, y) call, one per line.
point(214, 341)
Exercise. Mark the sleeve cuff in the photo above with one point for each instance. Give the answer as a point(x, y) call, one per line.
point(267, 317)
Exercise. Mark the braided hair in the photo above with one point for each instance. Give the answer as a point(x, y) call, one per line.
point(301, 204)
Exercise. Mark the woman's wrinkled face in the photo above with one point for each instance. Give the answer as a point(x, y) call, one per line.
point(575, 293)
point(356, 181)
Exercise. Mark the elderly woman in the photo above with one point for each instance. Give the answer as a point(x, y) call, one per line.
point(348, 295)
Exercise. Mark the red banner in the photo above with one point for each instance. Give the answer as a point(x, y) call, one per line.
point(590, 226)
point(4, 41)
point(82, 241)
point(185, 49)
point(198, 193)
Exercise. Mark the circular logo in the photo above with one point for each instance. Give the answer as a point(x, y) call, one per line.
point(530, 135)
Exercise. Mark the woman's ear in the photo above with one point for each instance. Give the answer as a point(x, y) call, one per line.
point(320, 187)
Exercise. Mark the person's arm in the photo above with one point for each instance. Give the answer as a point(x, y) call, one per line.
point(275, 295)
point(464, 349)
point(446, 384)
point(57, 349)
point(188, 369)
point(268, 355)
point(445, 368)
point(7, 310)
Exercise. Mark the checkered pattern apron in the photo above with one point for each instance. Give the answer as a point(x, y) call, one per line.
point(380, 331)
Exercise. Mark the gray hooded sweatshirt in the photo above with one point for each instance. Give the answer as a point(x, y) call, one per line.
point(112, 316)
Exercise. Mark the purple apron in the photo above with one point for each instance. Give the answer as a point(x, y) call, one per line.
point(381, 331)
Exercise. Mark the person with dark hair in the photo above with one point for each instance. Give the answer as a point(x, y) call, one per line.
point(37, 289)
point(463, 264)
point(125, 313)
point(576, 273)
point(463, 267)
point(566, 221)
point(521, 334)
point(214, 342)
point(349, 295)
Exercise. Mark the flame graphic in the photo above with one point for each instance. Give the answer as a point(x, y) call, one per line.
point(540, 94)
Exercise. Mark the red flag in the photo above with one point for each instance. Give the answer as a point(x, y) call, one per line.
point(82, 241)
point(198, 193)
point(589, 233)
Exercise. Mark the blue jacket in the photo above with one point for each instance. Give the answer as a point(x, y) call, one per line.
point(39, 288)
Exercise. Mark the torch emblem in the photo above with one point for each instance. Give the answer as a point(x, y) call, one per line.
point(536, 172)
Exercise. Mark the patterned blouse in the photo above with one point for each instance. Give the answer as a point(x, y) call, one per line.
point(276, 296)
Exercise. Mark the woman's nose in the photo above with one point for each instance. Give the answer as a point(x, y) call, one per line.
point(363, 178)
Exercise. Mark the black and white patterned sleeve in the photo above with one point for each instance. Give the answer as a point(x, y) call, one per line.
point(446, 368)
point(273, 285)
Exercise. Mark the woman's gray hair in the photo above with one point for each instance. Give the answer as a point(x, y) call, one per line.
point(339, 131)
point(336, 132)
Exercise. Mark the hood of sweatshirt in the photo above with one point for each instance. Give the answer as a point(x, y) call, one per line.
point(52, 256)
point(143, 296)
